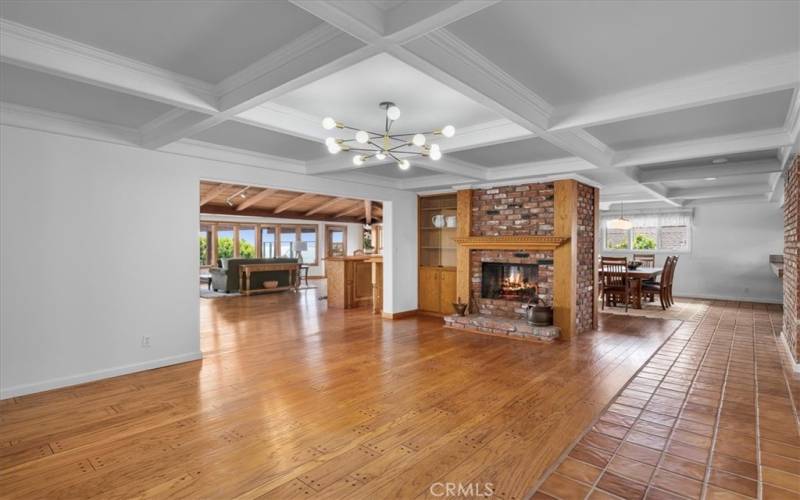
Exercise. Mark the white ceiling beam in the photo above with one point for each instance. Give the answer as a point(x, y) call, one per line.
point(41, 51)
point(548, 167)
point(360, 20)
point(660, 194)
point(691, 172)
point(703, 148)
point(432, 181)
point(733, 82)
point(486, 134)
point(452, 166)
point(447, 58)
point(712, 191)
point(404, 23)
point(314, 55)
point(728, 200)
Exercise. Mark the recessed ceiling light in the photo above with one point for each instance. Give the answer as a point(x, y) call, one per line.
point(710, 178)
point(717, 161)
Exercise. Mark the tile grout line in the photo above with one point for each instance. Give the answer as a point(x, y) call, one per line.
point(715, 432)
point(683, 405)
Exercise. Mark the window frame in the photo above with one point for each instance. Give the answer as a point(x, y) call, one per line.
point(657, 251)
point(236, 226)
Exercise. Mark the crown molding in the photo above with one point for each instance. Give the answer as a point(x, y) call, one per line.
point(62, 124)
point(35, 49)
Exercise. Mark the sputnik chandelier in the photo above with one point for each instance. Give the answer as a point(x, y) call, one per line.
point(398, 147)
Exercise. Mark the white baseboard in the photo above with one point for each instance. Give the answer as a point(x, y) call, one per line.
point(789, 354)
point(56, 383)
point(711, 296)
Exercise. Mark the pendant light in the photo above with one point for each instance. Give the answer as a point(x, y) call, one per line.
point(621, 222)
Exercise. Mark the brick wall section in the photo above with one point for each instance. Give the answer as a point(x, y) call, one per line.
point(508, 308)
point(513, 210)
point(529, 210)
point(791, 257)
point(586, 258)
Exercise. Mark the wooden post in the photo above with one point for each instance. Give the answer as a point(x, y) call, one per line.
point(464, 216)
point(565, 257)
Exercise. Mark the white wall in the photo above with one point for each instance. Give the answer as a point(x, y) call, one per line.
point(354, 232)
point(98, 248)
point(730, 249)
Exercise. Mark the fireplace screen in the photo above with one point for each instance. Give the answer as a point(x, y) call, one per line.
point(508, 281)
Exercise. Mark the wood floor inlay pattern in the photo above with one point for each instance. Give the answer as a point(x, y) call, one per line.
point(720, 419)
point(293, 400)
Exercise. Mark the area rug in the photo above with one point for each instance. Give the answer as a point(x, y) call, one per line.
point(684, 309)
point(210, 294)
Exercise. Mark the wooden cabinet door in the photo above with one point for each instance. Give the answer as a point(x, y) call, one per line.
point(429, 289)
point(448, 291)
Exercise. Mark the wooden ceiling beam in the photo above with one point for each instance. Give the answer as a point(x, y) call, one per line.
point(325, 205)
point(356, 205)
point(368, 211)
point(288, 214)
point(249, 202)
point(213, 193)
point(290, 203)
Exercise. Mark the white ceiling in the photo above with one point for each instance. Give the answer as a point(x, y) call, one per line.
point(759, 112)
point(512, 153)
point(40, 90)
point(352, 96)
point(545, 88)
point(581, 49)
point(208, 39)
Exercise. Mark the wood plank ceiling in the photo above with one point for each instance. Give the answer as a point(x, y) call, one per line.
point(237, 199)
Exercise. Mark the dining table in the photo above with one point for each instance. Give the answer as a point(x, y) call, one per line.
point(637, 277)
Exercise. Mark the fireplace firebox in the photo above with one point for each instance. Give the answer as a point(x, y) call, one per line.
point(503, 281)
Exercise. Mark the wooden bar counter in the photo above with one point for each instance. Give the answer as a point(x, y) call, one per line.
point(349, 280)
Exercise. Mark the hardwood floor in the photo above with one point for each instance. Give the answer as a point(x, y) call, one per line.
point(292, 400)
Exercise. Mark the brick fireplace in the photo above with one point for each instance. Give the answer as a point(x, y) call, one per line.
point(549, 227)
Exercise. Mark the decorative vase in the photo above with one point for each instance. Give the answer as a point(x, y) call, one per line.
point(438, 221)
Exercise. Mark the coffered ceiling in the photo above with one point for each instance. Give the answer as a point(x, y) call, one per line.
point(680, 103)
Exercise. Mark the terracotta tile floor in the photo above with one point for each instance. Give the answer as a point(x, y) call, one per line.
point(713, 414)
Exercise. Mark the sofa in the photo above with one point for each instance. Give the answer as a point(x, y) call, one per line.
point(226, 277)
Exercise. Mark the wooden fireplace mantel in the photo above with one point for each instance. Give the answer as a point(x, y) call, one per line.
point(511, 242)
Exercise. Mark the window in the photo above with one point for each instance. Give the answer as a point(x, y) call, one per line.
point(308, 236)
point(267, 242)
point(204, 240)
point(288, 237)
point(667, 231)
point(617, 239)
point(336, 241)
point(250, 241)
point(225, 241)
point(247, 242)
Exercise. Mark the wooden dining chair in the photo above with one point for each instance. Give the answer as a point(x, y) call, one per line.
point(660, 287)
point(647, 259)
point(615, 283)
point(670, 298)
